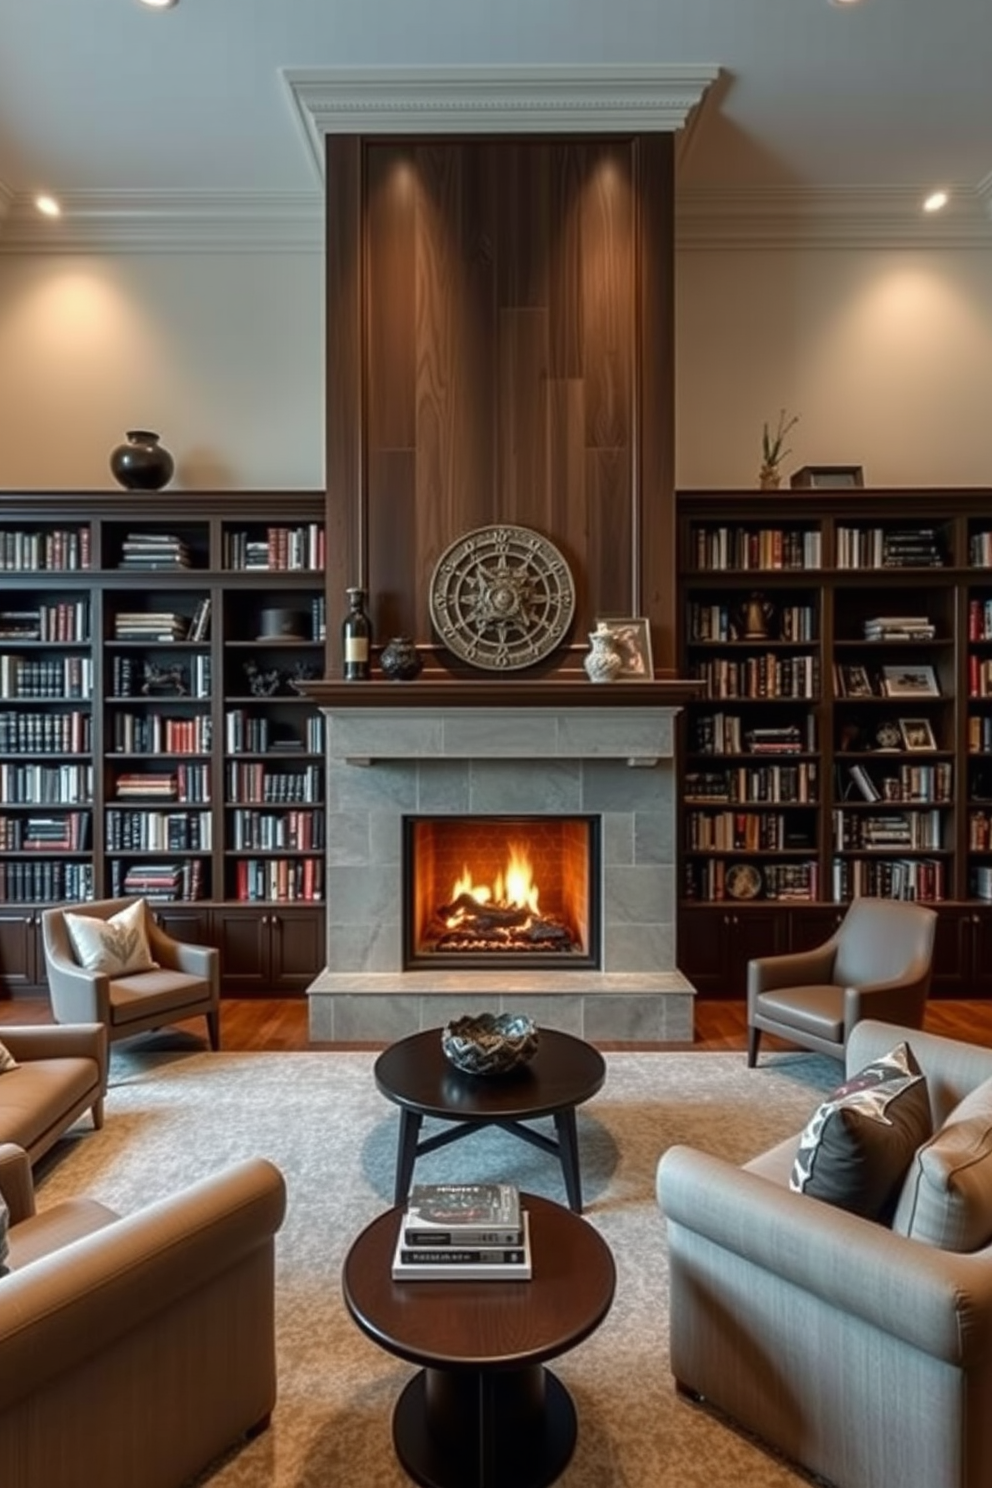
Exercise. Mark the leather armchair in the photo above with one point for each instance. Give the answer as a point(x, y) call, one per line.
point(61, 1072)
point(877, 965)
point(136, 1349)
point(186, 983)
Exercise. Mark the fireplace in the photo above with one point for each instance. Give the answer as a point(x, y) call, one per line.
point(501, 891)
point(410, 771)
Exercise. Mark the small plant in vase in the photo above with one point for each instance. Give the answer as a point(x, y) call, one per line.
point(773, 451)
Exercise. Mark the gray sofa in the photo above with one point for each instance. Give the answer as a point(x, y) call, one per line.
point(135, 1350)
point(859, 1353)
point(62, 1072)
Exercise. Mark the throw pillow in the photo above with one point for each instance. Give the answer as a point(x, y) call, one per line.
point(860, 1141)
point(117, 946)
point(7, 1060)
point(946, 1199)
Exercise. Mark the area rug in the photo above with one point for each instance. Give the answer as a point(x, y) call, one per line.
point(174, 1116)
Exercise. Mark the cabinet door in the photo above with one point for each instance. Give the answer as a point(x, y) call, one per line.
point(980, 982)
point(702, 933)
point(717, 942)
point(184, 923)
point(954, 957)
point(297, 946)
point(22, 966)
point(242, 937)
point(810, 926)
point(759, 931)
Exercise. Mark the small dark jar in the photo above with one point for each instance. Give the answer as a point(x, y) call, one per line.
point(142, 464)
point(400, 660)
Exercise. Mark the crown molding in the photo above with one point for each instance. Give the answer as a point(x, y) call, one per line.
point(718, 218)
point(491, 100)
point(166, 222)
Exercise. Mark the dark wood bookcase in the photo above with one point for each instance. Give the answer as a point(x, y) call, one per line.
point(151, 736)
point(845, 742)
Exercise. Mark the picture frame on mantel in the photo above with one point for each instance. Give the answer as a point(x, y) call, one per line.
point(827, 477)
point(631, 636)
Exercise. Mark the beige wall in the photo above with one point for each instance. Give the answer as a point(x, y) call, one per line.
point(221, 354)
point(886, 355)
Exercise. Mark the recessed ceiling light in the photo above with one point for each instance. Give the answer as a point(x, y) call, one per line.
point(845, 2)
point(48, 205)
point(158, 4)
point(935, 201)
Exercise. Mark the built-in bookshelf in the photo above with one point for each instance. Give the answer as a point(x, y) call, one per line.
point(844, 742)
point(152, 737)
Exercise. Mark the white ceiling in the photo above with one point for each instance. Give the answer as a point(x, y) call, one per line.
point(825, 118)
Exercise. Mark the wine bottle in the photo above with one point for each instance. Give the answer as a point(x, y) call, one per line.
point(356, 638)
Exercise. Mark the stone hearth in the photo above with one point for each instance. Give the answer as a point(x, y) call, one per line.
point(385, 762)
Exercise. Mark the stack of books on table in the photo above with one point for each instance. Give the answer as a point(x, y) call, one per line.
point(463, 1232)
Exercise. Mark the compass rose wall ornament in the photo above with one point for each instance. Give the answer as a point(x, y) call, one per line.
point(502, 597)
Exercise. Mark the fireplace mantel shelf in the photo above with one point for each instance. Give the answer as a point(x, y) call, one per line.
point(505, 692)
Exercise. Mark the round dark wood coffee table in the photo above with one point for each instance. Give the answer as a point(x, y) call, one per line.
point(483, 1410)
point(418, 1077)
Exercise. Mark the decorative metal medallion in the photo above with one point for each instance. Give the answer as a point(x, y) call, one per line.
point(502, 597)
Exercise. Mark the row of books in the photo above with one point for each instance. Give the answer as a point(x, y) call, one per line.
point(66, 620)
point(155, 831)
point(46, 733)
point(285, 831)
point(280, 548)
point(63, 832)
point(46, 785)
point(890, 878)
point(889, 547)
point(158, 881)
point(51, 677)
point(789, 784)
point(720, 622)
point(720, 548)
point(157, 733)
point(29, 881)
point(918, 830)
point(60, 548)
point(255, 784)
point(285, 880)
point(737, 831)
point(706, 880)
point(766, 676)
point(463, 1232)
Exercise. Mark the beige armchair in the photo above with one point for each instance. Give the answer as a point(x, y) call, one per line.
point(61, 1072)
point(136, 1350)
point(877, 964)
point(185, 984)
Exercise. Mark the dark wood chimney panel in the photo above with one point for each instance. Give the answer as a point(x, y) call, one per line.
point(508, 295)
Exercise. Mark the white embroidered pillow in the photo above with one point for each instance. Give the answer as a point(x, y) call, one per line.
point(116, 947)
point(7, 1060)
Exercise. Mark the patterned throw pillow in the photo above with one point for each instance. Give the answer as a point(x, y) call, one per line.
point(117, 947)
point(7, 1060)
point(859, 1143)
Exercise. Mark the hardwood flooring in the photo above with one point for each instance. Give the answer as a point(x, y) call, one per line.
point(281, 1023)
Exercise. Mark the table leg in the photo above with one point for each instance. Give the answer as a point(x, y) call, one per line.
point(406, 1153)
point(568, 1145)
point(485, 1428)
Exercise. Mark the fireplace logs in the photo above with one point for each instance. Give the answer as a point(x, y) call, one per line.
point(466, 924)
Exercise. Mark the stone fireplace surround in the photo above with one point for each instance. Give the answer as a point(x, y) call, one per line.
point(442, 751)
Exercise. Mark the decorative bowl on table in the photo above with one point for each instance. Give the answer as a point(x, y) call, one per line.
point(491, 1044)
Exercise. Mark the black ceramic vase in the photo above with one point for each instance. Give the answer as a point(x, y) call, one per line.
point(400, 660)
point(142, 464)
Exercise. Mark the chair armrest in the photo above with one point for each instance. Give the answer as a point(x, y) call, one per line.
point(77, 995)
point(59, 1041)
point(16, 1183)
point(797, 969)
point(62, 1310)
point(893, 999)
point(178, 955)
point(937, 1301)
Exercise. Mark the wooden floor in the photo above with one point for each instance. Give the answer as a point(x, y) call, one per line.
point(281, 1023)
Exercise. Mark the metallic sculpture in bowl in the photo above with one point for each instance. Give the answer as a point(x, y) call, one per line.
point(491, 1044)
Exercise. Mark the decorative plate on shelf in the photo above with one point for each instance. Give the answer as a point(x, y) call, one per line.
point(744, 881)
point(502, 597)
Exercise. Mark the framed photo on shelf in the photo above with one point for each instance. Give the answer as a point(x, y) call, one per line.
point(917, 733)
point(855, 681)
point(909, 681)
point(825, 477)
point(631, 636)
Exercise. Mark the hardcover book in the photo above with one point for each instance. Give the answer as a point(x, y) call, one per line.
point(487, 1263)
point(463, 1214)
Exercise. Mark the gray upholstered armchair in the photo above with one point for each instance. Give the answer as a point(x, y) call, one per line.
point(185, 983)
point(877, 964)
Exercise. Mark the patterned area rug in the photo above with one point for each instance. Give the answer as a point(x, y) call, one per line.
point(173, 1115)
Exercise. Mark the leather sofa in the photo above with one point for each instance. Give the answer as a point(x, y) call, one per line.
point(862, 1354)
point(61, 1073)
point(135, 1350)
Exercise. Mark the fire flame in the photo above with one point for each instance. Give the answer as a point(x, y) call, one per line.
point(514, 887)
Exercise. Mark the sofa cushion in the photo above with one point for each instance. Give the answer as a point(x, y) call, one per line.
point(38, 1094)
point(116, 946)
point(858, 1145)
point(7, 1060)
point(946, 1199)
